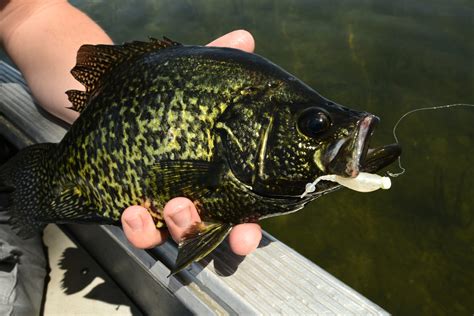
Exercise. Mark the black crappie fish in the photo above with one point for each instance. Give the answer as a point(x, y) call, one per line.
point(230, 130)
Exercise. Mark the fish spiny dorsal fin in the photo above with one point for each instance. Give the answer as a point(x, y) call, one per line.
point(94, 61)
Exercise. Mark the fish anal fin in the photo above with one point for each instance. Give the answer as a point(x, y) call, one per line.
point(94, 61)
point(72, 206)
point(198, 242)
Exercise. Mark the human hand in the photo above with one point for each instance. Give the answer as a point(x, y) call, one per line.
point(180, 213)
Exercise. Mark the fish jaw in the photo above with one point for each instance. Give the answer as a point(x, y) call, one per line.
point(352, 155)
point(344, 159)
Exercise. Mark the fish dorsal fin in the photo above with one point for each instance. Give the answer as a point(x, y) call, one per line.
point(94, 61)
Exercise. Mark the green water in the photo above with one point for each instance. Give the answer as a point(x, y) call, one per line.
point(409, 249)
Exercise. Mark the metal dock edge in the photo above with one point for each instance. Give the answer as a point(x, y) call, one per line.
point(274, 279)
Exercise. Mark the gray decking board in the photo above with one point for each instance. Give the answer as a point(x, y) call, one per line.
point(273, 280)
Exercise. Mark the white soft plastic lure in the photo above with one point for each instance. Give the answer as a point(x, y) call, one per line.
point(364, 182)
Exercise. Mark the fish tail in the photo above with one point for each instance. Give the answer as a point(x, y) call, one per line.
point(24, 187)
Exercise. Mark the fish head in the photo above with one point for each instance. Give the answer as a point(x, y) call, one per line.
point(318, 138)
point(291, 141)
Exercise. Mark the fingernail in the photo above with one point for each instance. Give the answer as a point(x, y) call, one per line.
point(181, 217)
point(135, 223)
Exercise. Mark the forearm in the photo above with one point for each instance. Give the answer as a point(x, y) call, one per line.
point(42, 39)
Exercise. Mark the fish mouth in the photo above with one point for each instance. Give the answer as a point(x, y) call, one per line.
point(350, 156)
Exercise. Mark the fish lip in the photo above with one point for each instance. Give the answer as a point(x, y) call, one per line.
point(365, 131)
point(380, 157)
point(347, 155)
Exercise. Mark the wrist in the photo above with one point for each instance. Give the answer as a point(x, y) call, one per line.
point(15, 12)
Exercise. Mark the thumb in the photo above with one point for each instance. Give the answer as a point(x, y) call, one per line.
point(180, 214)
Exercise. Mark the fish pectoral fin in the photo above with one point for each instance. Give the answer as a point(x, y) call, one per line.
point(72, 206)
point(190, 178)
point(198, 242)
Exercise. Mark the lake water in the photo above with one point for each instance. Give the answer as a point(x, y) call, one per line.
point(409, 249)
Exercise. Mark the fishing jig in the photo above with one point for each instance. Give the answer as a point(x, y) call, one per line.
point(364, 182)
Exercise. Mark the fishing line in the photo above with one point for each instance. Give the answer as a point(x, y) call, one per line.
point(429, 108)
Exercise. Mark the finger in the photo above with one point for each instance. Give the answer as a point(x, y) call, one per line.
point(239, 39)
point(180, 214)
point(140, 229)
point(245, 238)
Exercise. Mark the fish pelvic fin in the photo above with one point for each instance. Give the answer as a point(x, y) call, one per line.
point(93, 62)
point(198, 242)
point(23, 188)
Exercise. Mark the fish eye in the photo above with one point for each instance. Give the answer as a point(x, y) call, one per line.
point(313, 121)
